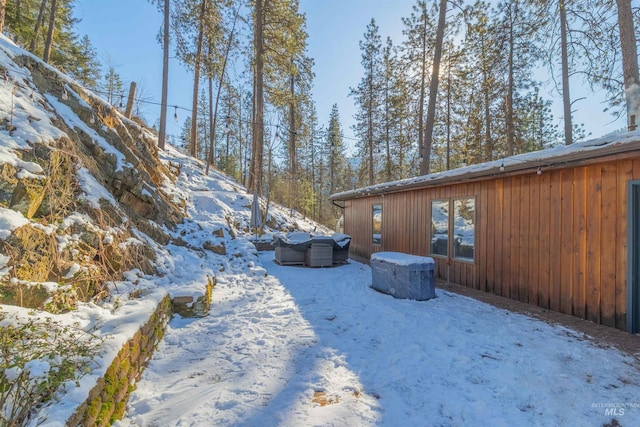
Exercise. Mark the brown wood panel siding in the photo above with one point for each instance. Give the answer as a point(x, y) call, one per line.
point(473, 268)
point(625, 174)
point(415, 211)
point(544, 267)
point(607, 244)
point(593, 214)
point(533, 282)
point(565, 258)
point(557, 240)
point(403, 214)
point(488, 235)
point(389, 219)
point(506, 235)
point(524, 238)
point(480, 247)
point(580, 241)
point(499, 238)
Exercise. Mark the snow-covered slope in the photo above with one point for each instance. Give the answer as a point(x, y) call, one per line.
point(96, 225)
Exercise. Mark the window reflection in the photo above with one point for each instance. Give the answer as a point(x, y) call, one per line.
point(440, 227)
point(464, 214)
point(377, 224)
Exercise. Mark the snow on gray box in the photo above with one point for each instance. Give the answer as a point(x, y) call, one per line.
point(403, 275)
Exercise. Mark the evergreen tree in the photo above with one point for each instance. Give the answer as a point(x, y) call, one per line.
point(287, 74)
point(368, 99)
point(52, 23)
point(87, 66)
point(202, 124)
point(38, 25)
point(185, 134)
point(416, 49)
point(514, 32)
point(337, 152)
point(433, 89)
point(389, 64)
point(113, 86)
point(484, 86)
point(42, 25)
point(198, 29)
point(257, 135)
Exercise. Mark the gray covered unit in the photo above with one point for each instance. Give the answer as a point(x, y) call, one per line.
point(403, 276)
point(320, 255)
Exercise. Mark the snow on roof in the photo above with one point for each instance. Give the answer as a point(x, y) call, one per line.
point(615, 143)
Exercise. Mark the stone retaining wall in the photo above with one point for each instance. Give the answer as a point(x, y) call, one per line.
point(107, 401)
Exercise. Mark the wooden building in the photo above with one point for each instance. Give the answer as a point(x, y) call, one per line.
point(558, 228)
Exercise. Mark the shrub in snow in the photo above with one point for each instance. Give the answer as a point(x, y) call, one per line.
point(38, 359)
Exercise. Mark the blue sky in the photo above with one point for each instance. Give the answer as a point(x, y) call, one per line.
point(124, 32)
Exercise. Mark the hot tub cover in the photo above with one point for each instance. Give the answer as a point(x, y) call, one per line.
point(403, 275)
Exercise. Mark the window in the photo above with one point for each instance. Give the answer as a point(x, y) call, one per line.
point(377, 224)
point(461, 226)
point(440, 227)
point(464, 215)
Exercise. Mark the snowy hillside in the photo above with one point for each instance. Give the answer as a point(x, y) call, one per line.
point(97, 226)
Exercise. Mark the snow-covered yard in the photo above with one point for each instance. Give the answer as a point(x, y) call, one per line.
point(292, 346)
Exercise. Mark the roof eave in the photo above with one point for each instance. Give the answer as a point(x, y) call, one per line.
point(607, 153)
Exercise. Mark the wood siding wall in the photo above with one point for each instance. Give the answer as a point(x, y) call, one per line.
point(556, 240)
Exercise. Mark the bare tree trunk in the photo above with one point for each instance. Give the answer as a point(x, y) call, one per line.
point(433, 89)
point(510, 84)
point(193, 146)
point(387, 119)
point(3, 11)
point(629, 60)
point(448, 166)
point(293, 191)
point(212, 151)
point(52, 23)
point(165, 78)
point(213, 116)
point(39, 22)
point(255, 173)
point(228, 135)
point(370, 127)
point(423, 79)
point(566, 97)
point(240, 142)
point(488, 140)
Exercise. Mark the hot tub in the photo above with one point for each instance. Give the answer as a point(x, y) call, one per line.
point(403, 275)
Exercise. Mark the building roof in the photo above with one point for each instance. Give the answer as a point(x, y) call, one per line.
point(552, 158)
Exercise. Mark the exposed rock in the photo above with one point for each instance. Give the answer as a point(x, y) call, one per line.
point(27, 196)
point(71, 242)
point(8, 181)
point(33, 252)
point(218, 248)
